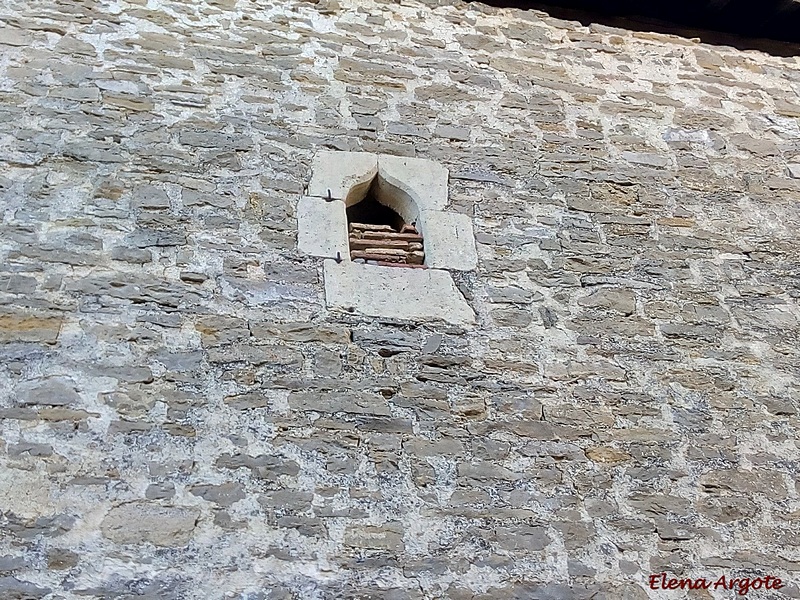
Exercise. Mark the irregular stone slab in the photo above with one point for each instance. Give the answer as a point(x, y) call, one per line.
point(14, 37)
point(61, 559)
point(607, 455)
point(145, 522)
point(53, 391)
point(246, 401)
point(150, 196)
point(473, 173)
point(160, 491)
point(619, 300)
point(27, 529)
point(387, 342)
point(12, 588)
point(224, 494)
point(256, 355)
point(412, 294)
point(347, 402)
point(10, 563)
point(301, 332)
point(262, 466)
point(525, 538)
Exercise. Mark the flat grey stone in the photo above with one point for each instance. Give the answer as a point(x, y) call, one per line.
point(160, 491)
point(10, 563)
point(30, 449)
point(53, 391)
point(224, 494)
point(12, 588)
point(386, 341)
point(451, 132)
point(481, 175)
point(263, 466)
point(138, 256)
point(404, 129)
point(334, 402)
point(150, 196)
point(217, 141)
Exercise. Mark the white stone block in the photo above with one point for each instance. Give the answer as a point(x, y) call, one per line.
point(449, 240)
point(395, 292)
point(342, 173)
point(424, 181)
point(322, 228)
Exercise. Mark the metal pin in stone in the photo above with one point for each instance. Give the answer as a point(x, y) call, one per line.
point(338, 258)
point(329, 198)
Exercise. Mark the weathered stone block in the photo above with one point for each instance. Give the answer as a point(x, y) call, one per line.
point(52, 391)
point(140, 522)
point(29, 328)
point(524, 539)
point(388, 537)
point(160, 491)
point(322, 228)
point(449, 241)
point(218, 330)
point(263, 466)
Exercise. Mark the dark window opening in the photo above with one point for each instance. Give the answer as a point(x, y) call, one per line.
point(379, 236)
point(372, 212)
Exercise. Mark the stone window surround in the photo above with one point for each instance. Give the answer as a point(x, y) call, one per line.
point(417, 190)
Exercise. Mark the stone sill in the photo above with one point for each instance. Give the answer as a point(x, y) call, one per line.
point(408, 294)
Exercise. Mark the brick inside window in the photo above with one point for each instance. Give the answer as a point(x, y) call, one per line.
point(380, 236)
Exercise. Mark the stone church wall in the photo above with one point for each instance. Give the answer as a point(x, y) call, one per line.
point(182, 417)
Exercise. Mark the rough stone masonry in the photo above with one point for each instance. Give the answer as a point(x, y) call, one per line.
point(182, 416)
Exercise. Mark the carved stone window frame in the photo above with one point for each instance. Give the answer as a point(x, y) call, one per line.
point(419, 193)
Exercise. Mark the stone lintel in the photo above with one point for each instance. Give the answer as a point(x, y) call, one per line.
point(424, 181)
point(343, 173)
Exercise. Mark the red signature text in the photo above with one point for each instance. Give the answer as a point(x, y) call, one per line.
point(742, 585)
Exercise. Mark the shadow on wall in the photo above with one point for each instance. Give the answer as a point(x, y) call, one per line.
point(772, 26)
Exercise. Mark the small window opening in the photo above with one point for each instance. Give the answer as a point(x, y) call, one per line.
point(380, 236)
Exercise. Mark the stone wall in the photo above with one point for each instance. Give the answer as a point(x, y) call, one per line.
point(182, 418)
